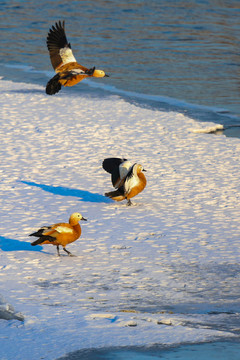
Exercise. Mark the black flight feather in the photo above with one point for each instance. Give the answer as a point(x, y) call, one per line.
point(53, 85)
point(40, 231)
point(56, 38)
point(42, 239)
point(111, 164)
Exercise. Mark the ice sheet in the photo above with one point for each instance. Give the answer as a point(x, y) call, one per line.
point(164, 271)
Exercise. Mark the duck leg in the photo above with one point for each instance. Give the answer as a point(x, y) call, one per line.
point(129, 203)
point(58, 250)
point(68, 252)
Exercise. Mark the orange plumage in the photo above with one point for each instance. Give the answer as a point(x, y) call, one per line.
point(60, 234)
point(69, 71)
point(127, 178)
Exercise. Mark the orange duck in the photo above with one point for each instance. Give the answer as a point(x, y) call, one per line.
point(69, 72)
point(127, 178)
point(60, 234)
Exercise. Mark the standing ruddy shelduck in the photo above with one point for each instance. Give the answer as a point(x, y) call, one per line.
point(60, 234)
point(127, 178)
point(69, 72)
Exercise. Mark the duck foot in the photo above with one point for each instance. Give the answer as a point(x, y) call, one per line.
point(129, 203)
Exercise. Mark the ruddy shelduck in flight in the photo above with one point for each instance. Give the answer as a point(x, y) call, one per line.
point(127, 178)
point(69, 71)
point(60, 234)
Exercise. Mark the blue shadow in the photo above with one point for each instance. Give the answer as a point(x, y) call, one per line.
point(83, 195)
point(7, 244)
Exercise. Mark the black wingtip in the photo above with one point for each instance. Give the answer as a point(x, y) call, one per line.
point(60, 24)
point(37, 242)
point(53, 86)
point(110, 164)
point(56, 36)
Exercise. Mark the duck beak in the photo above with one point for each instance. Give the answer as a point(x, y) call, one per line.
point(106, 75)
point(83, 219)
point(144, 170)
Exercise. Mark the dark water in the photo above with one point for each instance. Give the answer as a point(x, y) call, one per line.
point(207, 351)
point(179, 52)
point(186, 50)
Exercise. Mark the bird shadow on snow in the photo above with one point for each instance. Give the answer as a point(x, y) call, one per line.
point(7, 244)
point(83, 195)
point(26, 91)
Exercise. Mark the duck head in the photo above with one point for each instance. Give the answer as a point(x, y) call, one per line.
point(140, 168)
point(99, 73)
point(75, 218)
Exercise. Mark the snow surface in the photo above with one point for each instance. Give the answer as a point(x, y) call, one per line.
point(164, 271)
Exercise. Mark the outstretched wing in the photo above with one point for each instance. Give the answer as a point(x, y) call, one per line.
point(59, 49)
point(118, 168)
point(124, 169)
point(110, 164)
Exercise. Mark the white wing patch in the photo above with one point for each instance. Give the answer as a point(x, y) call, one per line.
point(64, 229)
point(77, 72)
point(66, 55)
point(124, 169)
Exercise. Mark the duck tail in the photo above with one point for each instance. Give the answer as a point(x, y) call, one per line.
point(115, 195)
point(40, 232)
point(53, 86)
point(37, 242)
point(42, 239)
